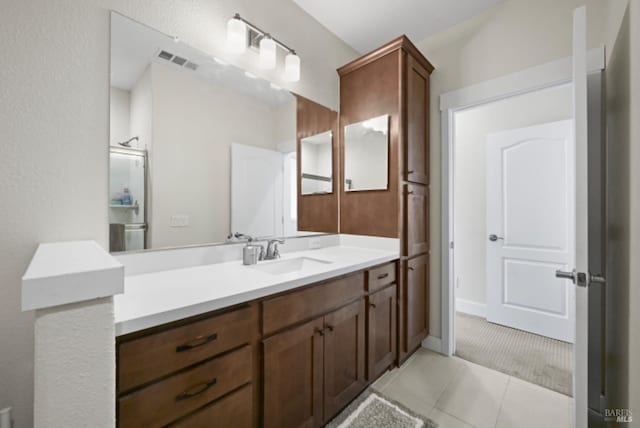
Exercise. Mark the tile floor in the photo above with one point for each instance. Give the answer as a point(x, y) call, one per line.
point(459, 394)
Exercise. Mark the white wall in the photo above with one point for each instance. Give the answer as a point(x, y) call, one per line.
point(54, 116)
point(141, 112)
point(119, 116)
point(509, 37)
point(194, 123)
point(471, 129)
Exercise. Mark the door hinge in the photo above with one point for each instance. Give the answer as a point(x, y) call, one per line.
point(451, 245)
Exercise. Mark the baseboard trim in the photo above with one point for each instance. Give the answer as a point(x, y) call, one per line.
point(471, 308)
point(433, 343)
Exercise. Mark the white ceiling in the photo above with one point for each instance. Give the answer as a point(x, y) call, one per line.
point(368, 24)
point(134, 46)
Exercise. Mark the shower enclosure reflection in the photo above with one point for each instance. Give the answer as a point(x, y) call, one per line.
point(127, 190)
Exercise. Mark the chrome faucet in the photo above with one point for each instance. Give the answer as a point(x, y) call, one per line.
point(272, 249)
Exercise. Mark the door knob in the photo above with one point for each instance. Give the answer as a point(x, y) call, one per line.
point(566, 275)
point(493, 237)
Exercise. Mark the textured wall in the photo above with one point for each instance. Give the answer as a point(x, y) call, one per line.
point(54, 125)
point(75, 363)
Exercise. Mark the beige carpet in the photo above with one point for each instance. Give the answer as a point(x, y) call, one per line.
point(536, 359)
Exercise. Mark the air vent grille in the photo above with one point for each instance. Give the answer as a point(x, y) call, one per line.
point(177, 60)
point(165, 55)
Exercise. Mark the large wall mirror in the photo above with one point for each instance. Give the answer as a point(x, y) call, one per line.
point(199, 149)
point(366, 155)
point(316, 164)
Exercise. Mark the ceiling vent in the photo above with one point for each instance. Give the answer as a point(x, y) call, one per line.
point(177, 60)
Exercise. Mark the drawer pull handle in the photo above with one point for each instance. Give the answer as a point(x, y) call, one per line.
point(330, 327)
point(410, 171)
point(320, 332)
point(197, 390)
point(383, 276)
point(373, 305)
point(410, 268)
point(198, 341)
point(410, 192)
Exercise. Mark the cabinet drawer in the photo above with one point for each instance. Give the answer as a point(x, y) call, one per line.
point(150, 357)
point(234, 410)
point(381, 276)
point(172, 398)
point(286, 310)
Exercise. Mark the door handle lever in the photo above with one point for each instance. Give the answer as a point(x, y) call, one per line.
point(566, 275)
point(493, 237)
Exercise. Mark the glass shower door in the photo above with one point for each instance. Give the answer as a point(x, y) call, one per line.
point(127, 196)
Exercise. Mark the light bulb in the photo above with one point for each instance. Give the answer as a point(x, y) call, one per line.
point(267, 53)
point(292, 67)
point(236, 36)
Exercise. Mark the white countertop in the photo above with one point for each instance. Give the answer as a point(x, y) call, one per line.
point(61, 273)
point(157, 298)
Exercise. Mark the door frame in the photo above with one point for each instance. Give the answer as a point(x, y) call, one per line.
point(552, 74)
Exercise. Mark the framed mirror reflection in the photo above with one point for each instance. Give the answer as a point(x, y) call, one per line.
point(366, 155)
point(316, 163)
point(200, 150)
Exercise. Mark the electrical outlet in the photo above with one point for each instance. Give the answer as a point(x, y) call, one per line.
point(179, 220)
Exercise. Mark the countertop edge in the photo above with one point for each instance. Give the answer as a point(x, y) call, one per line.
point(149, 321)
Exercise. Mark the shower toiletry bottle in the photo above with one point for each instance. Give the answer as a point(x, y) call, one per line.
point(126, 197)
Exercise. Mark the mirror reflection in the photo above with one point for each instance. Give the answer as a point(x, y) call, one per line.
point(316, 164)
point(366, 155)
point(200, 149)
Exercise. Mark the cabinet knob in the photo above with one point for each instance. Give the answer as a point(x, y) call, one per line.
point(320, 331)
point(330, 327)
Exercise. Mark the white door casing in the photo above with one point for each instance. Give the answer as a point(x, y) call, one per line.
point(530, 196)
point(256, 191)
point(581, 256)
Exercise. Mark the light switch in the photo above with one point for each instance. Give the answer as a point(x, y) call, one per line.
point(179, 220)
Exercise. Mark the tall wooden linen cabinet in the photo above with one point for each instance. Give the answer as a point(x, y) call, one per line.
point(394, 80)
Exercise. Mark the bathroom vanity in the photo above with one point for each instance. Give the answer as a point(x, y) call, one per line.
point(292, 347)
point(286, 342)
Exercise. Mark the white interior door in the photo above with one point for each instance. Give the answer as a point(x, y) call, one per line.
point(530, 196)
point(290, 194)
point(256, 191)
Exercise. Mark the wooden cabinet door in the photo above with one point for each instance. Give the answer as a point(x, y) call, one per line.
point(416, 302)
point(417, 127)
point(293, 377)
point(344, 356)
point(416, 229)
point(382, 337)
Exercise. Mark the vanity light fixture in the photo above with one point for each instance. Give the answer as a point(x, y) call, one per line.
point(236, 35)
point(267, 53)
point(292, 67)
point(238, 40)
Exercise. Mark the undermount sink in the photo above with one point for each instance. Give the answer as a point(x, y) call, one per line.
point(290, 265)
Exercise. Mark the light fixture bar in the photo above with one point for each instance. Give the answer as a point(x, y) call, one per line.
point(264, 33)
